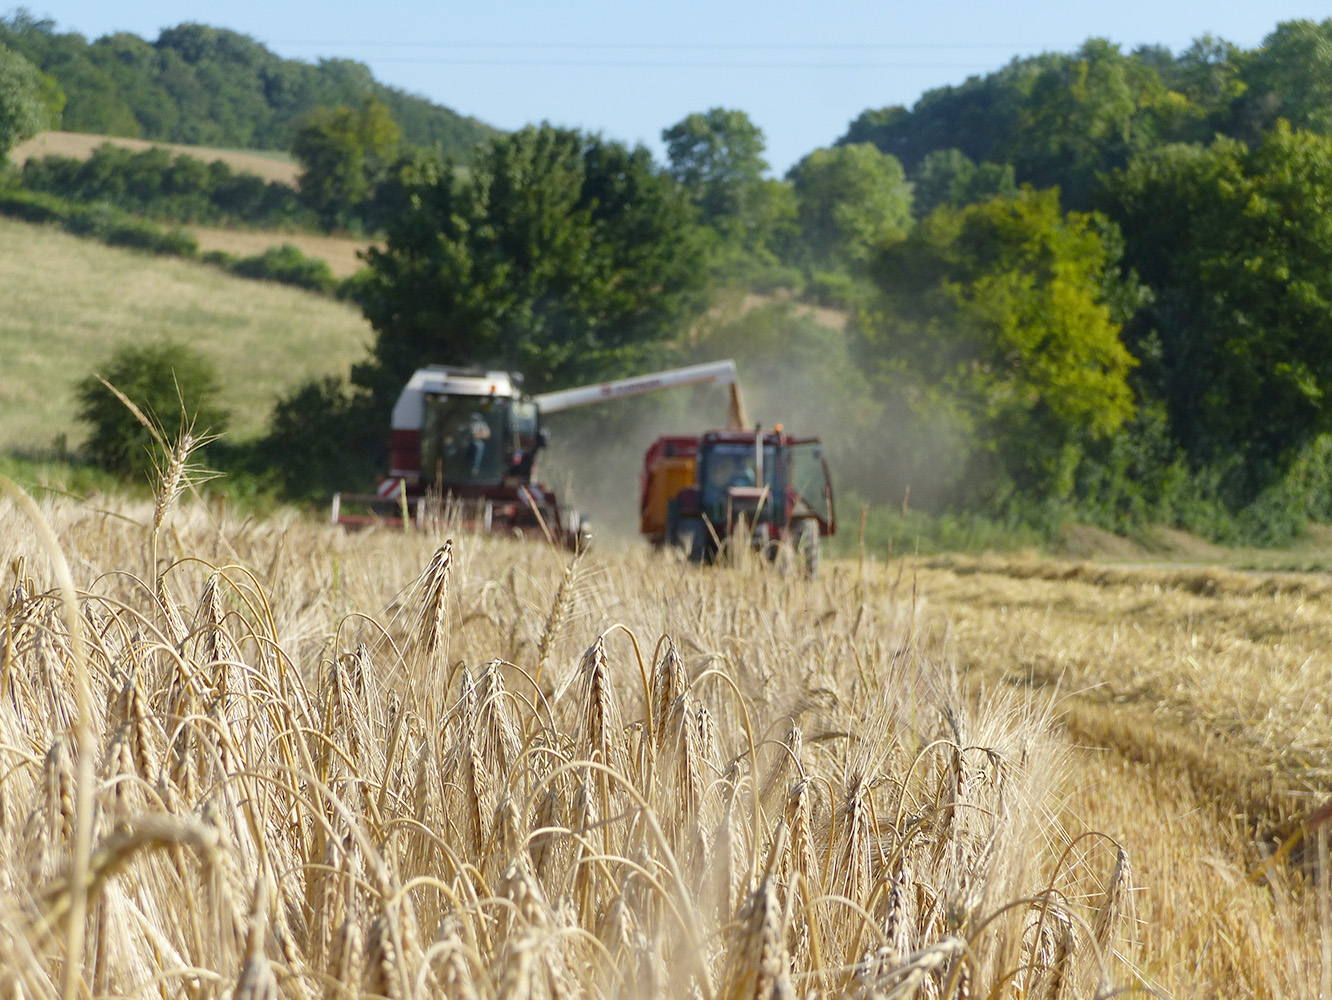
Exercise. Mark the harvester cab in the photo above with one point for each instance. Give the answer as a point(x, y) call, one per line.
point(455, 427)
point(466, 439)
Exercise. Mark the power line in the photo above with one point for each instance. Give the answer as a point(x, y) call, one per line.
point(620, 64)
point(660, 46)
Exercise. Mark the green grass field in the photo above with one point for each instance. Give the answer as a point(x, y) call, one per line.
point(69, 303)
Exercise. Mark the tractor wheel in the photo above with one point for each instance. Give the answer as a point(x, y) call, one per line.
point(691, 535)
point(806, 538)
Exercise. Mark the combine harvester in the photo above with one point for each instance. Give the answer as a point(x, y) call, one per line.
point(467, 439)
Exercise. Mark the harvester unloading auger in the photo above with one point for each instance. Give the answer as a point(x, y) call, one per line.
point(467, 439)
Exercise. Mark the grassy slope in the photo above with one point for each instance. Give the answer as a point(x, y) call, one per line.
point(69, 303)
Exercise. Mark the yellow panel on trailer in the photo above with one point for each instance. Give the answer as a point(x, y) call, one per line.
point(666, 478)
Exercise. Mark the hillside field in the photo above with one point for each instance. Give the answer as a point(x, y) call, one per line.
point(70, 302)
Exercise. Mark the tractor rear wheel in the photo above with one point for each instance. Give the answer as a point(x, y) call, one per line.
point(691, 535)
point(806, 539)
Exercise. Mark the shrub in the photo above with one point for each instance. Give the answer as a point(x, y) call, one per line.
point(288, 265)
point(173, 385)
point(323, 436)
point(181, 189)
point(100, 221)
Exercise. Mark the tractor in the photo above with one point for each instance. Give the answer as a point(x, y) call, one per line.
point(763, 489)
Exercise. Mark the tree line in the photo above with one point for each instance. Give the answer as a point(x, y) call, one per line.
point(211, 87)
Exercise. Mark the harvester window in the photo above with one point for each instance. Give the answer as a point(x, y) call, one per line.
point(526, 438)
point(463, 440)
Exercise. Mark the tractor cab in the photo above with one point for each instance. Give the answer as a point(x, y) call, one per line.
point(768, 487)
point(771, 479)
point(741, 478)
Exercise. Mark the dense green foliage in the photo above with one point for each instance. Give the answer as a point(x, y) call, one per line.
point(344, 153)
point(22, 113)
point(323, 436)
point(287, 265)
point(180, 188)
point(561, 255)
point(992, 326)
point(948, 177)
point(1062, 119)
point(173, 386)
point(213, 87)
point(1237, 244)
point(99, 221)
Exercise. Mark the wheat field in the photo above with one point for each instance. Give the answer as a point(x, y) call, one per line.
point(265, 758)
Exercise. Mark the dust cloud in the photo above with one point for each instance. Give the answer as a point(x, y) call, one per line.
point(794, 370)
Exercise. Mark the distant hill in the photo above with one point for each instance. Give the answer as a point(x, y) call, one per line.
point(213, 87)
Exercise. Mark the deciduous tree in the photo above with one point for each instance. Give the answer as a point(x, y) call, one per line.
point(718, 158)
point(993, 326)
point(343, 152)
point(561, 255)
point(851, 199)
point(22, 111)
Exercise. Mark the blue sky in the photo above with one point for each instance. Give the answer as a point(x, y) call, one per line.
point(801, 71)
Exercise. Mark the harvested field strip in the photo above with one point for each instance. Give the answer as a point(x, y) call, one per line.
point(1211, 581)
point(271, 166)
point(1248, 662)
point(1206, 927)
point(1197, 703)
